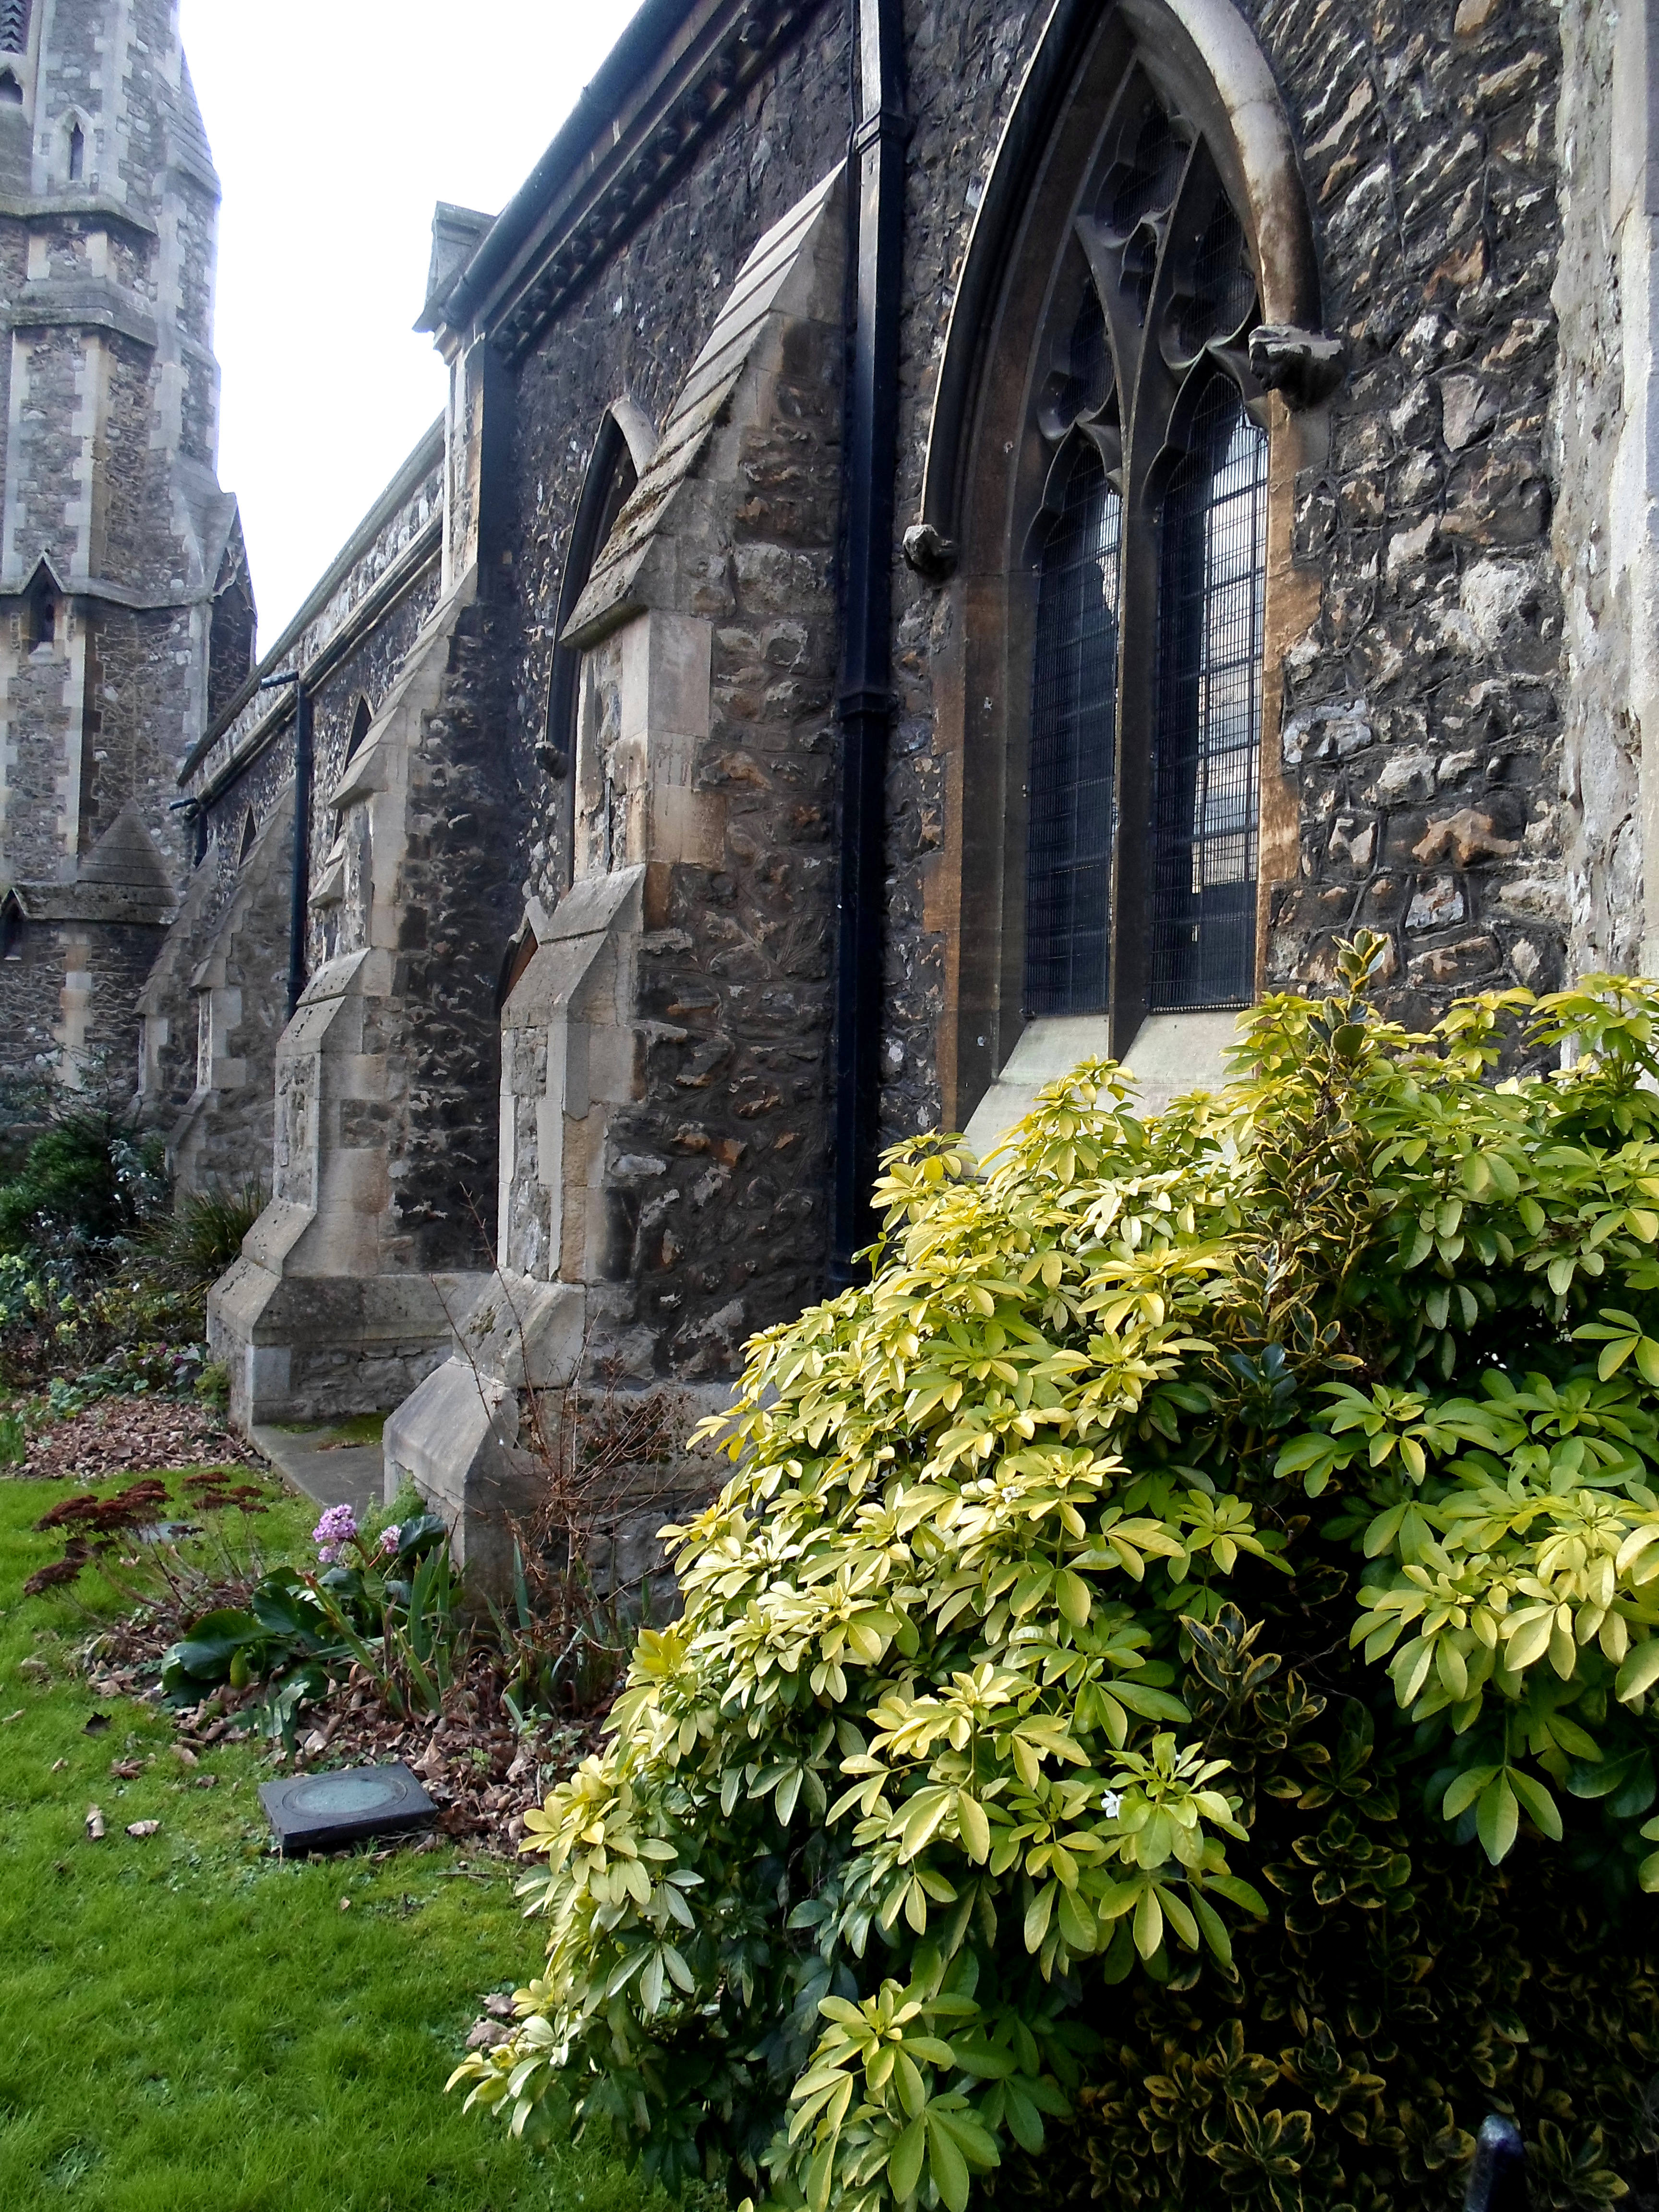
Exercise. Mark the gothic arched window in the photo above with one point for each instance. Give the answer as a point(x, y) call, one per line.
point(1150, 550)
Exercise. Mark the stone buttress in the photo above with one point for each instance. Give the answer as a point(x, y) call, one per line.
point(650, 996)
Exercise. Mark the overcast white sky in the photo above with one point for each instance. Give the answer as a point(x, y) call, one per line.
point(334, 134)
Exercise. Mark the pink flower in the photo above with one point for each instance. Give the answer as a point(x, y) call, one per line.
point(389, 1539)
point(338, 1526)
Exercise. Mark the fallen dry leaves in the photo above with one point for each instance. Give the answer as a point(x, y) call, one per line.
point(133, 1436)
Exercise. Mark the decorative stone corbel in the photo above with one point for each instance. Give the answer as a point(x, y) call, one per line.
point(1305, 365)
point(933, 558)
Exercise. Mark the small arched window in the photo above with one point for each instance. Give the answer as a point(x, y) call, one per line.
point(363, 716)
point(77, 153)
point(1212, 581)
point(41, 618)
point(11, 928)
point(11, 93)
point(250, 832)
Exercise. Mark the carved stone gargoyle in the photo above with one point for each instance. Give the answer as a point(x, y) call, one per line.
point(930, 555)
point(1305, 365)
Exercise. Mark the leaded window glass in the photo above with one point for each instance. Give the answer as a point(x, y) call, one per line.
point(1073, 746)
point(1211, 583)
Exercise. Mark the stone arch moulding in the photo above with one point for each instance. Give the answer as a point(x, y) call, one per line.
point(1258, 157)
point(983, 485)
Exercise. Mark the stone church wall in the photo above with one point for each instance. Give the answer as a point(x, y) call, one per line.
point(460, 907)
point(717, 1192)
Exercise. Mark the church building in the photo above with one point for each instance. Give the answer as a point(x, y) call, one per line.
point(963, 535)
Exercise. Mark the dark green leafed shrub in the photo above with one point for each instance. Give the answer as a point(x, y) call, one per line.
point(1165, 1705)
point(84, 1182)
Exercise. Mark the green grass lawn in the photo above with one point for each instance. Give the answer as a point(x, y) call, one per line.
point(189, 2025)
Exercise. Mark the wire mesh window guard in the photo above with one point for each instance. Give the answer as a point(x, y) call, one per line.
point(1212, 585)
point(14, 27)
point(1070, 819)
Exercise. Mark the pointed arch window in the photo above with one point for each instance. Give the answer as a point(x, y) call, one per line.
point(77, 154)
point(1150, 556)
point(40, 615)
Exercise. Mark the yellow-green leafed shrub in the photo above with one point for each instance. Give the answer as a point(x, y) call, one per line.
point(1200, 1534)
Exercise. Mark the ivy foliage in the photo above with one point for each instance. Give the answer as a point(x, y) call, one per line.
point(1209, 1570)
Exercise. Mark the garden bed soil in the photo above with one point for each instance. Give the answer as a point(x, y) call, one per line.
point(137, 1436)
point(484, 1775)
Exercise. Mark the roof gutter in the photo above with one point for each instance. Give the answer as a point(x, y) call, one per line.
point(639, 46)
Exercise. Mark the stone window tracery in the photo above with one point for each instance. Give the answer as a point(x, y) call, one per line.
point(1150, 551)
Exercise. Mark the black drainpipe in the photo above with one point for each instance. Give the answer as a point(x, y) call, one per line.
point(863, 707)
point(299, 895)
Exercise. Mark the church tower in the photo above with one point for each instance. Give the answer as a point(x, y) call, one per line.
point(126, 616)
